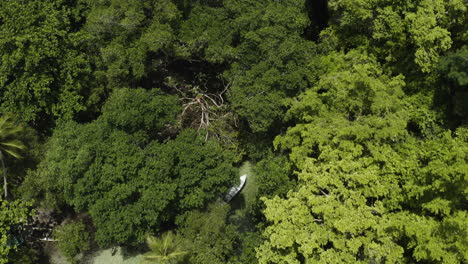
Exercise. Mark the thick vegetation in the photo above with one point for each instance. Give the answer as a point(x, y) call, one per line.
point(128, 120)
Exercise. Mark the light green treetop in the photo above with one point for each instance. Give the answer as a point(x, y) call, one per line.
point(368, 191)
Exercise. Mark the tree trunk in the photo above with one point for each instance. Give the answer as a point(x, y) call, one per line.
point(5, 188)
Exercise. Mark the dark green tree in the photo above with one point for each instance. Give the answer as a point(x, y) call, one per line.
point(128, 181)
point(262, 42)
point(454, 71)
point(208, 236)
point(133, 38)
point(273, 176)
point(44, 73)
point(138, 110)
point(73, 238)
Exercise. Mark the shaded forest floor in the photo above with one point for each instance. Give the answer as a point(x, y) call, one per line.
point(243, 203)
point(101, 256)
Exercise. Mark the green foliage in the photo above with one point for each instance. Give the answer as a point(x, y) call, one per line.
point(364, 168)
point(250, 241)
point(274, 177)
point(128, 183)
point(351, 108)
point(462, 133)
point(454, 67)
point(72, 239)
point(73, 146)
point(43, 70)
point(413, 33)
point(273, 60)
point(354, 102)
point(9, 144)
point(164, 250)
point(30, 156)
point(209, 238)
point(12, 214)
point(262, 42)
point(9, 129)
point(24, 255)
point(130, 37)
point(208, 33)
point(454, 82)
point(201, 170)
point(433, 218)
point(133, 110)
point(368, 191)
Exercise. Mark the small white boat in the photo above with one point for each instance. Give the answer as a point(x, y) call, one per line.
point(236, 189)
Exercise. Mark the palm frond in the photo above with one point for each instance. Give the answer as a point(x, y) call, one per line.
point(8, 131)
point(3, 119)
point(15, 143)
point(12, 153)
point(153, 257)
point(164, 249)
point(178, 254)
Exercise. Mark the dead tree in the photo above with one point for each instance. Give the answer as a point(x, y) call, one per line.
point(203, 110)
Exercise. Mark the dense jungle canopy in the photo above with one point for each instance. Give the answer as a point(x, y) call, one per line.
point(125, 122)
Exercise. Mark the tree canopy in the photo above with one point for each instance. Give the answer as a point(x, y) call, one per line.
point(131, 183)
point(44, 70)
point(352, 117)
point(366, 184)
point(12, 214)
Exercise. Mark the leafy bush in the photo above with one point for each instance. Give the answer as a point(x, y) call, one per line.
point(72, 239)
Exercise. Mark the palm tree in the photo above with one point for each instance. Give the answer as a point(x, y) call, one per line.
point(9, 144)
point(164, 250)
